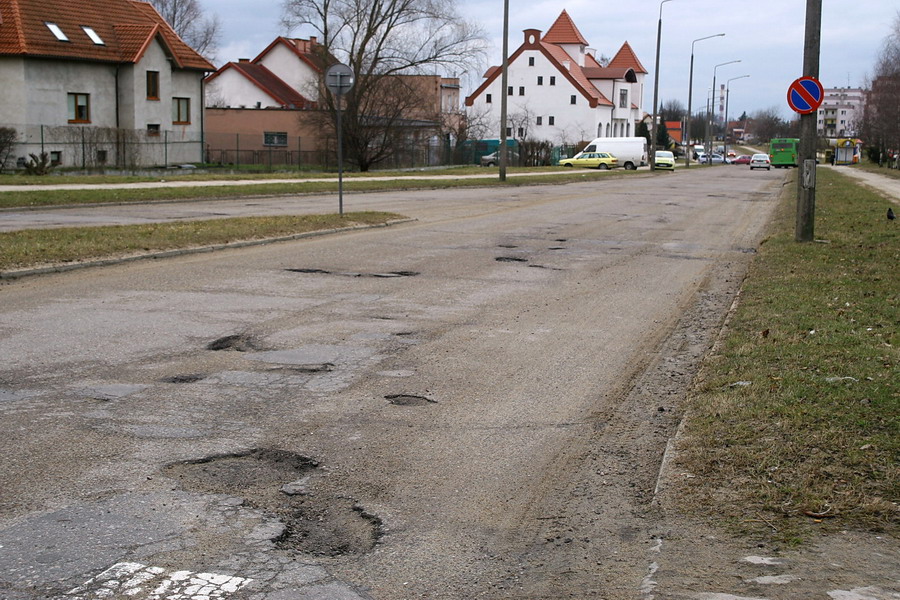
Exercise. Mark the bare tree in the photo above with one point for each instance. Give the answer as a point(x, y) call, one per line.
point(768, 124)
point(671, 110)
point(383, 41)
point(186, 17)
point(880, 125)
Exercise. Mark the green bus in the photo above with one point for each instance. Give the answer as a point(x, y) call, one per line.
point(783, 152)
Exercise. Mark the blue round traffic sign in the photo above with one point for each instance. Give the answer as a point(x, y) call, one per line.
point(805, 95)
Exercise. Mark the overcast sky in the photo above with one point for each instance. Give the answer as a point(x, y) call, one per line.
point(765, 35)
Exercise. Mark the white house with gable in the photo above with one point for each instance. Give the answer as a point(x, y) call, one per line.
point(559, 91)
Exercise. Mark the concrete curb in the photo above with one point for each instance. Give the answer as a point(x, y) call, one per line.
point(20, 274)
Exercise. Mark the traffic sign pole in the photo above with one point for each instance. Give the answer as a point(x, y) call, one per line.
point(339, 80)
point(804, 230)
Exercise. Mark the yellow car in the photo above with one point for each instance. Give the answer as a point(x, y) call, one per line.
point(595, 160)
point(665, 160)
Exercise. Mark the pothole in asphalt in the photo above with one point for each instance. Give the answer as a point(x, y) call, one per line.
point(388, 274)
point(409, 400)
point(187, 378)
point(239, 342)
point(510, 259)
point(342, 527)
point(307, 369)
point(544, 267)
point(283, 484)
point(561, 240)
point(507, 246)
point(556, 248)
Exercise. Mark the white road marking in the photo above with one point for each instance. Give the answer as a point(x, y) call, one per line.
point(155, 583)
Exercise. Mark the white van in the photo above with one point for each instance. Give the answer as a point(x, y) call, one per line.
point(631, 151)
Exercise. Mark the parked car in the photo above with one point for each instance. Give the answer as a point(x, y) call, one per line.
point(631, 152)
point(493, 159)
point(598, 160)
point(713, 159)
point(743, 159)
point(760, 161)
point(665, 160)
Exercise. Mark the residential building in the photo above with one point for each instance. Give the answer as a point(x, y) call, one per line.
point(268, 109)
point(559, 91)
point(99, 83)
point(840, 113)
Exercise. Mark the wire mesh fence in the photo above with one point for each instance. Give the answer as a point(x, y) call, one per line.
point(109, 148)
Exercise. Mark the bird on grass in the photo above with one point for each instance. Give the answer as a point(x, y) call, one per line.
point(891, 215)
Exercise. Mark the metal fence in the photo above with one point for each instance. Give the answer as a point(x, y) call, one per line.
point(104, 147)
point(108, 148)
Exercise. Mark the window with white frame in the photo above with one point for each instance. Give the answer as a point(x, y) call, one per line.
point(623, 98)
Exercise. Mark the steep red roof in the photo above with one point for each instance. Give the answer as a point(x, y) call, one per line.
point(309, 51)
point(625, 58)
point(575, 73)
point(564, 31)
point(126, 28)
point(268, 82)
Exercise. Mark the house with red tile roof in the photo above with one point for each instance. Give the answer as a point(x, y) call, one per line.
point(284, 75)
point(266, 108)
point(80, 79)
point(559, 91)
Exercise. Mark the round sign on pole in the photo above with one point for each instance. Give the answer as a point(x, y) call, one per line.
point(339, 79)
point(805, 95)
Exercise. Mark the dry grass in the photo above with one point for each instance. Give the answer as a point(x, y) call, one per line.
point(40, 247)
point(795, 420)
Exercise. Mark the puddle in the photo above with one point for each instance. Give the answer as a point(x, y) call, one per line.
point(409, 400)
point(285, 484)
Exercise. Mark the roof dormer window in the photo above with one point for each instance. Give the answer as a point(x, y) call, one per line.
point(54, 28)
point(93, 35)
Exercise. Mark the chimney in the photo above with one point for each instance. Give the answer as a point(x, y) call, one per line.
point(243, 60)
point(312, 40)
point(532, 37)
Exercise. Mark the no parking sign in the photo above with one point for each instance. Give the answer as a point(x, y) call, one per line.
point(805, 95)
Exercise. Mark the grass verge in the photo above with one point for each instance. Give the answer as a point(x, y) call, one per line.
point(871, 167)
point(41, 247)
point(25, 197)
point(795, 419)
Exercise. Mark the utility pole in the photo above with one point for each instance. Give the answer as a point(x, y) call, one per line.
point(806, 182)
point(502, 156)
point(652, 152)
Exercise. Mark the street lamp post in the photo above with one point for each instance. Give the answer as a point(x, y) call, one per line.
point(716, 68)
point(687, 131)
point(502, 155)
point(652, 152)
point(727, 94)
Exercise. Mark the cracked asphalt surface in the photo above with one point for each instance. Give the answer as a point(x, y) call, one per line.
point(254, 424)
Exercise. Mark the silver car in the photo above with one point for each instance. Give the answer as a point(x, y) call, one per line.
point(760, 161)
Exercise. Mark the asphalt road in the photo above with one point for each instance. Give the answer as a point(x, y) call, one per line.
point(476, 404)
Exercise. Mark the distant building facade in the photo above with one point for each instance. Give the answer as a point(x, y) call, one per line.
point(559, 91)
point(840, 113)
